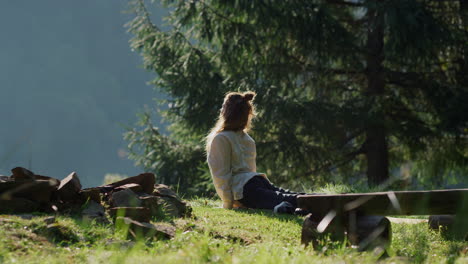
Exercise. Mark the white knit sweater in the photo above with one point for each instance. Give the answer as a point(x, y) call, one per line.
point(231, 158)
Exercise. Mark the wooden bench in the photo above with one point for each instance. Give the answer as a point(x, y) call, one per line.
point(361, 216)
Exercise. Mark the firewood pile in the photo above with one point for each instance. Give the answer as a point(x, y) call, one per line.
point(134, 201)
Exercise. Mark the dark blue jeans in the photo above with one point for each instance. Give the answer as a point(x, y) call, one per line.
point(261, 194)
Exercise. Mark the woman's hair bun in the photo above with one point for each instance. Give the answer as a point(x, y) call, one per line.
point(249, 96)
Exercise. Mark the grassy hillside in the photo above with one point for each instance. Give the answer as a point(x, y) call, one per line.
point(213, 235)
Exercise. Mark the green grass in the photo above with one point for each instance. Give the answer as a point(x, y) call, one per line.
point(213, 235)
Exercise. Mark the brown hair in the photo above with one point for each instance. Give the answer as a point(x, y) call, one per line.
point(235, 115)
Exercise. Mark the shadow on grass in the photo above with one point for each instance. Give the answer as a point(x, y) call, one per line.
point(270, 214)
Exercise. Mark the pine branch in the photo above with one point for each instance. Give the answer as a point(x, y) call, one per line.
point(351, 137)
point(140, 9)
point(410, 78)
point(308, 67)
point(330, 165)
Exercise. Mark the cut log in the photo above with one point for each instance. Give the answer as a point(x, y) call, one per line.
point(388, 203)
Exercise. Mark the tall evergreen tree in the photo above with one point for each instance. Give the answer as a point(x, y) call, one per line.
point(347, 87)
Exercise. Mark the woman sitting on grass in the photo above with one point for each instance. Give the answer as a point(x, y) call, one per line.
point(231, 157)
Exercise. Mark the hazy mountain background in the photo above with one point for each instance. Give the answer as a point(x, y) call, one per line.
point(69, 83)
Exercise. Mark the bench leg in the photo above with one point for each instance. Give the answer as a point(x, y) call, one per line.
point(453, 226)
point(311, 233)
point(441, 221)
point(365, 232)
point(368, 232)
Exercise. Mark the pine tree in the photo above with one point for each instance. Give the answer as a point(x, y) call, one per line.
point(346, 87)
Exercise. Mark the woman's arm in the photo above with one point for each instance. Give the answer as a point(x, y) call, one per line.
point(219, 161)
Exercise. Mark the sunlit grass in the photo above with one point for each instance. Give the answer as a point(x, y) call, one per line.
point(213, 235)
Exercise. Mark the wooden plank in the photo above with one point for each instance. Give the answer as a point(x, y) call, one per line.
point(435, 202)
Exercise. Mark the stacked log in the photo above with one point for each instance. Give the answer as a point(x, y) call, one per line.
point(134, 201)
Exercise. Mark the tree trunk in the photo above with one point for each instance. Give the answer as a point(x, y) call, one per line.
point(376, 142)
point(464, 12)
point(377, 155)
point(462, 76)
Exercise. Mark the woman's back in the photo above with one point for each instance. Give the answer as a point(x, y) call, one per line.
point(242, 150)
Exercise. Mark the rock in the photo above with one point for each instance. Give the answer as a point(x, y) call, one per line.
point(123, 245)
point(141, 214)
point(41, 190)
point(125, 198)
point(130, 186)
point(145, 180)
point(18, 206)
point(175, 207)
point(163, 190)
point(37, 191)
point(94, 211)
point(151, 202)
point(69, 188)
point(172, 204)
point(52, 181)
point(7, 187)
point(20, 173)
point(58, 233)
point(167, 231)
point(146, 230)
point(49, 220)
point(90, 194)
